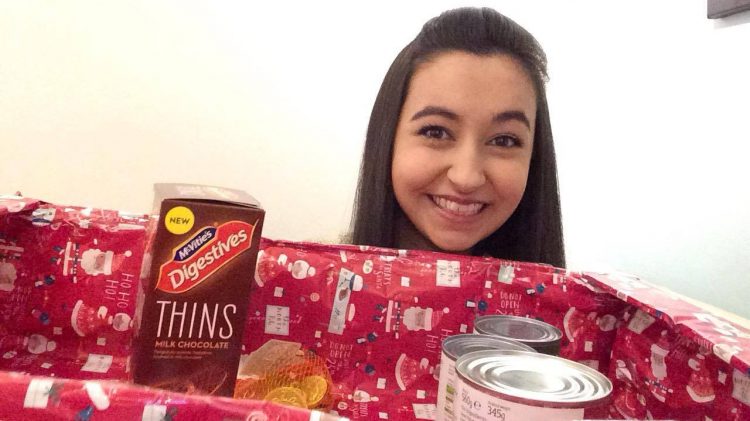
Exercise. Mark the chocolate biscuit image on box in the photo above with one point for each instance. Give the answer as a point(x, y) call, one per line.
point(194, 302)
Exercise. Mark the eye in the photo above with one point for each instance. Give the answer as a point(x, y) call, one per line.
point(434, 132)
point(505, 141)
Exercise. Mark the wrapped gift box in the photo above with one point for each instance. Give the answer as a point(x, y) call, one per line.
point(375, 316)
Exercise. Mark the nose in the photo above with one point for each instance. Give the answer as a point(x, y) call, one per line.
point(466, 172)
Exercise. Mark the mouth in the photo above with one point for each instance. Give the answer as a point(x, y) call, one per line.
point(461, 208)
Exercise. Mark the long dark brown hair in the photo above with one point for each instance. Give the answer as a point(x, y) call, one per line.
point(534, 230)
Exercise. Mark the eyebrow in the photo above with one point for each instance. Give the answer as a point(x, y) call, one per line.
point(502, 117)
point(512, 115)
point(433, 110)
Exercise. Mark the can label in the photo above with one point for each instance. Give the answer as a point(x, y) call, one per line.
point(476, 405)
point(447, 383)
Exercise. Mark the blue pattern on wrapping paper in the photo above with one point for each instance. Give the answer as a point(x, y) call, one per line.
point(370, 369)
point(54, 392)
point(85, 413)
point(169, 416)
point(44, 318)
point(482, 306)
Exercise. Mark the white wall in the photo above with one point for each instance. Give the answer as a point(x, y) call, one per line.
point(649, 101)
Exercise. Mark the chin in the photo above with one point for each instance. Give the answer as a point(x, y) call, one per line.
point(455, 247)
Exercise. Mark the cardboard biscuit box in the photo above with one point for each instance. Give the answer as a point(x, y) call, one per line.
point(195, 297)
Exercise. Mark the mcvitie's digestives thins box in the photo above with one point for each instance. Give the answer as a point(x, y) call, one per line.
point(194, 302)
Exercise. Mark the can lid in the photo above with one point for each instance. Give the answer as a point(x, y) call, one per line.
point(457, 345)
point(522, 329)
point(534, 379)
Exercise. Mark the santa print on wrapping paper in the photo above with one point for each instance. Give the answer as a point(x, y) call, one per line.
point(409, 370)
point(659, 351)
point(8, 276)
point(700, 386)
point(418, 318)
point(393, 315)
point(86, 319)
point(92, 261)
point(35, 344)
point(299, 269)
point(267, 267)
point(9, 252)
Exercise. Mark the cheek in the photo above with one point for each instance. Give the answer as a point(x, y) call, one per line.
point(510, 183)
point(411, 172)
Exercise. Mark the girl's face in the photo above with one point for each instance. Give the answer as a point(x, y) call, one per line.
point(462, 148)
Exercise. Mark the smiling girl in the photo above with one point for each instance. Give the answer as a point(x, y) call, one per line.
point(459, 154)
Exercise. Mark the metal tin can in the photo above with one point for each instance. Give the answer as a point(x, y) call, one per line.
point(541, 336)
point(455, 347)
point(517, 385)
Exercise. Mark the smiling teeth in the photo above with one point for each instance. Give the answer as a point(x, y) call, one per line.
point(461, 209)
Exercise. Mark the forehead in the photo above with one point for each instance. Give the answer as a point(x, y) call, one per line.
point(459, 79)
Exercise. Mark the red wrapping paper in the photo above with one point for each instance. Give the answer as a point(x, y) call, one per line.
point(673, 359)
point(378, 316)
point(68, 277)
point(68, 281)
point(30, 397)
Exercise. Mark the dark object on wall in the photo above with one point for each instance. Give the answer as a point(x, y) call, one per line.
point(723, 8)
